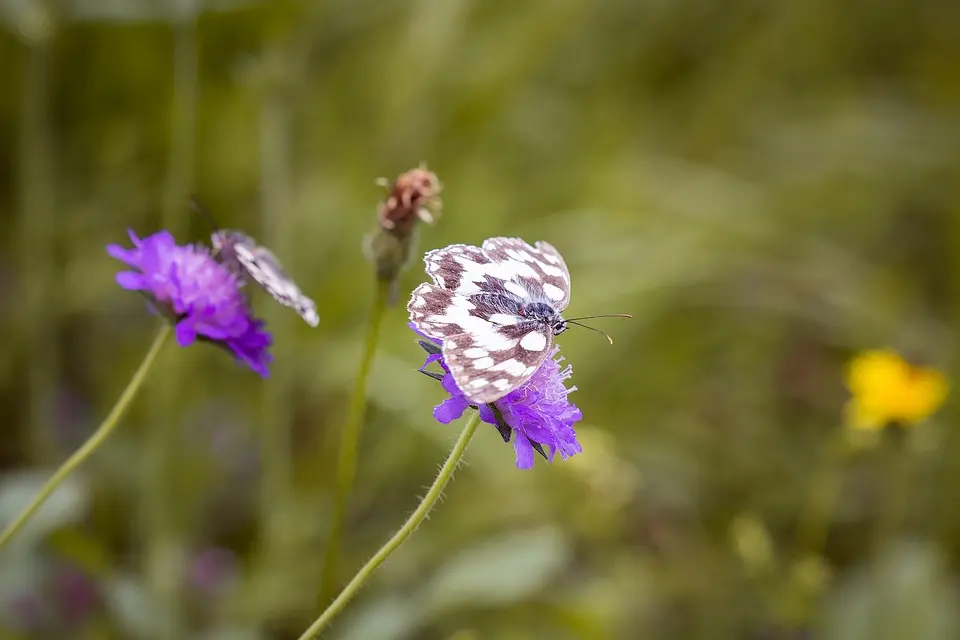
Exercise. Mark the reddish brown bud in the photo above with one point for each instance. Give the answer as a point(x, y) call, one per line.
point(413, 196)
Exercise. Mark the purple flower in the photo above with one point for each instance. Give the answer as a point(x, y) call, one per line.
point(213, 570)
point(538, 412)
point(77, 594)
point(201, 295)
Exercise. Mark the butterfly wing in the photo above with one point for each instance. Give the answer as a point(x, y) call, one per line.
point(550, 274)
point(488, 366)
point(261, 265)
point(475, 305)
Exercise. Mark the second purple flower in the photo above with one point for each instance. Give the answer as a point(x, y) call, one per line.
point(199, 294)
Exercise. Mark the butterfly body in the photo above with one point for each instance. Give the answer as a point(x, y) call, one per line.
point(245, 257)
point(496, 309)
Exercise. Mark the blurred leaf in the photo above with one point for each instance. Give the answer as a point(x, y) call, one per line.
point(135, 610)
point(906, 593)
point(66, 505)
point(390, 618)
point(500, 571)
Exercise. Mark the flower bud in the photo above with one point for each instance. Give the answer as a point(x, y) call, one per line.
point(412, 197)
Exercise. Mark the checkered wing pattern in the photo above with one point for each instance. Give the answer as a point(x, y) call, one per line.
point(478, 305)
point(243, 254)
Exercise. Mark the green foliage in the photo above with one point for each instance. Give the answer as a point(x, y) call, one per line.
point(767, 187)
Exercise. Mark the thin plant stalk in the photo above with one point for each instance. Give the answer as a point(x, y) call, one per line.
point(163, 555)
point(900, 482)
point(38, 230)
point(418, 516)
point(277, 421)
point(814, 525)
point(350, 439)
point(93, 443)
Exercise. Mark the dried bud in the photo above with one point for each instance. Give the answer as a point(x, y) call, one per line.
point(414, 196)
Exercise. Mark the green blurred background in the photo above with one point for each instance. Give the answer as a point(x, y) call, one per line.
point(769, 187)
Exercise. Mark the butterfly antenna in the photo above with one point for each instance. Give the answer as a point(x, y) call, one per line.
point(603, 315)
point(198, 207)
point(609, 339)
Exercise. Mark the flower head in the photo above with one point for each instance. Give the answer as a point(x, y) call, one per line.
point(537, 413)
point(413, 197)
point(887, 389)
point(200, 295)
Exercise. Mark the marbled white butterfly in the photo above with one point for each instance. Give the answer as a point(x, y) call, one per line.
point(496, 308)
point(242, 255)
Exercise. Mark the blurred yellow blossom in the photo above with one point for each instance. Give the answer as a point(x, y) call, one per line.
point(886, 389)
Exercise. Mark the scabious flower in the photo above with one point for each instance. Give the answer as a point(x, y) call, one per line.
point(538, 413)
point(201, 296)
point(886, 389)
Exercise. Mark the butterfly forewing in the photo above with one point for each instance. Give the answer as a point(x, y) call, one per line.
point(551, 273)
point(241, 253)
point(478, 307)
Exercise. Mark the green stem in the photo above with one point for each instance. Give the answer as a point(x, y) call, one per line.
point(900, 480)
point(92, 444)
point(39, 231)
point(814, 525)
point(277, 414)
point(162, 541)
point(446, 472)
point(349, 442)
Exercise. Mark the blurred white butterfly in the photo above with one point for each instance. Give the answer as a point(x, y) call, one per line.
point(242, 255)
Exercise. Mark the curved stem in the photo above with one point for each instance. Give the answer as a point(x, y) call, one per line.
point(349, 441)
point(93, 443)
point(446, 472)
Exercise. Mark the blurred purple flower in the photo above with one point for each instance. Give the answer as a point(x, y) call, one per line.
point(538, 412)
point(76, 594)
point(201, 295)
point(26, 611)
point(212, 570)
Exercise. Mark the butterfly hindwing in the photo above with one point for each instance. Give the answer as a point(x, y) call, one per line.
point(488, 367)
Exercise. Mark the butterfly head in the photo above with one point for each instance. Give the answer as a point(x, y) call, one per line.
point(543, 313)
point(224, 239)
point(219, 240)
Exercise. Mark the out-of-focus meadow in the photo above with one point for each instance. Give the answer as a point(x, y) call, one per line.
point(769, 188)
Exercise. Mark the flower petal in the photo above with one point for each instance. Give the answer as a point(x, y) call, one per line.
point(186, 333)
point(524, 451)
point(131, 280)
point(450, 409)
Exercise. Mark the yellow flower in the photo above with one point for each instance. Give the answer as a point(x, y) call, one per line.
point(886, 388)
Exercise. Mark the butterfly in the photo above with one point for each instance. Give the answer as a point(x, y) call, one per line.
point(245, 257)
point(496, 308)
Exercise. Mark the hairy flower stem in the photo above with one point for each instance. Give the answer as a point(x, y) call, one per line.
point(93, 443)
point(434, 493)
point(349, 442)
